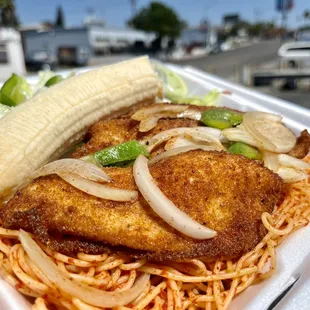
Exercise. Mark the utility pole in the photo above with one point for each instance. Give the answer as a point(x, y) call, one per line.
point(284, 6)
point(257, 14)
point(283, 19)
point(133, 7)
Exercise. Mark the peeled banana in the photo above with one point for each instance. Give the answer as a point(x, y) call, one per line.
point(41, 129)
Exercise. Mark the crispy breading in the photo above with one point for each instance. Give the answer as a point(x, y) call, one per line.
point(225, 192)
point(111, 132)
point(108, 133)
point(302, 146)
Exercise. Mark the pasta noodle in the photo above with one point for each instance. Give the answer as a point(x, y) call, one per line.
point(183, 284)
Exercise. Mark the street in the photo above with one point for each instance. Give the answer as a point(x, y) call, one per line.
point(228, 65)
point(225, 64)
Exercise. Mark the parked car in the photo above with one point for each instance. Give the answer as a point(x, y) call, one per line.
point(40, 61)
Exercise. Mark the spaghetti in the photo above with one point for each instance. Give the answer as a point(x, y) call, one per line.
point(184, 284)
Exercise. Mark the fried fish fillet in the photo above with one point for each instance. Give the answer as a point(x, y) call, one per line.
point(111, 132)
point(114, 131)
point(225, 192)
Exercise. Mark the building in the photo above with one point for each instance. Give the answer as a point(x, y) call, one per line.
point(11, 53)
point(230, 20)
point(198, 37)
point(77, 45)
point(67, 46)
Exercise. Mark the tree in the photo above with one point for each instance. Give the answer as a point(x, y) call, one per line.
point(8, 14)
point(256, 29)
point(240, 25)
point(306, 14)
point(60, 20)
point(158, 18)
point(47, 24)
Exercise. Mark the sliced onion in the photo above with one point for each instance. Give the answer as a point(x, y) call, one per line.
point(164, 207)
point(239, 134)
point(148, 123)
point(76, 166)
point(158, 108)
point(271, 161)
point(178, 142)
point(191, 114)
point(99, 190)
point(290, 175)
point(292, 162)
point(152, 121)
point(206, 134)
point(267, 129)
point(88, 294)
point(179, 150)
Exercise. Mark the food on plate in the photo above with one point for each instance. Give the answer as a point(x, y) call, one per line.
point(119, 154)
point(221, 118)
point(14, 91)
point(41, 129)
point(64, 210)
point(163, 205)
point(4, 110)
point(301, 149)
point(245, 150)
point(175, 89)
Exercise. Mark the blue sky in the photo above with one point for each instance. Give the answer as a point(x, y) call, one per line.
point(116, 12)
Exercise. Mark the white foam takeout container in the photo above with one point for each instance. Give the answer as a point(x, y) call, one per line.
point(293, 255)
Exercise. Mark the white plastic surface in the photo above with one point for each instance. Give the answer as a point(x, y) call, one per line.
point(10, 299)
point(293, 256)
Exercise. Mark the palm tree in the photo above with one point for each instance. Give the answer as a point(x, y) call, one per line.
point(8, 15)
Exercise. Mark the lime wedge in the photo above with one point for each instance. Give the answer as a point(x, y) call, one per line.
point(5, 100)
point(54, 80)
point(15, 90)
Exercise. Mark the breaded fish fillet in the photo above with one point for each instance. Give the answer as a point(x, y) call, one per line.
point(111, 132)
point(115, 131)
point(226, 192)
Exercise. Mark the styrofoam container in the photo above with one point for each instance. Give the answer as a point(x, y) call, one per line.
point(293, 255)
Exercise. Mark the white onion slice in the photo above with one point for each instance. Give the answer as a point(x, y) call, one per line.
point(76, 166)
point(191, 114)
point(178, 142)
point(239, 134)
point(164, 207)
point(179, 150)
point(151, 122)
point(271, 161)
point(148, 123)
point(290, 175)
point(88, 294)
point(207, 134)
point(154, 109)
point(267, 129)
point(99, 190)
point(292, 162)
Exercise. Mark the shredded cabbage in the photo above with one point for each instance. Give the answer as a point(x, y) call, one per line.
point(175, 89)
